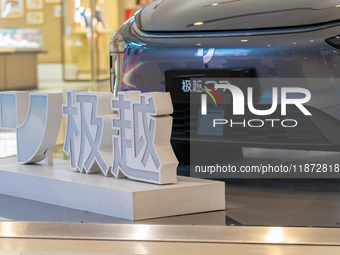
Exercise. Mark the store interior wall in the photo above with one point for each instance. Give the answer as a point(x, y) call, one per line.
point(86, 57)
point(125, 5)
point(52, 33)
point(50, 62)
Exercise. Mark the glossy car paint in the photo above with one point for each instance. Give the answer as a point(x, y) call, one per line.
point(279, 39)
point(221, 15)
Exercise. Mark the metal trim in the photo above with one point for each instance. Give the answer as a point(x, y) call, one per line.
point(169, 233)
point(207, 34)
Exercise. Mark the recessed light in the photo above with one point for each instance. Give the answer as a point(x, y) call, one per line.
point(198, 23)
point(214, 4)
point(244, 40)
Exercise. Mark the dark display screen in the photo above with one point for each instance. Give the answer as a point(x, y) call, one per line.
point(183, 83)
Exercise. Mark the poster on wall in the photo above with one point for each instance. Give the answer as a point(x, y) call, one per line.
point(34, 4)
point(57, 11)
point(12, 8)
point(35, 18)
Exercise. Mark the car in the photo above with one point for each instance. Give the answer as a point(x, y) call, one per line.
point(265, 48)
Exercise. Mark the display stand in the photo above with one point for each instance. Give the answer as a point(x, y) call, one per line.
point(122, 198)
point(22, 62)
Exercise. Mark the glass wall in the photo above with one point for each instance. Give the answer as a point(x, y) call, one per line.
point(88, 27)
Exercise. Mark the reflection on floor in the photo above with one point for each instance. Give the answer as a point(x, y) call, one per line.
point(284, 202)
point(11, 246)
point(295, 202)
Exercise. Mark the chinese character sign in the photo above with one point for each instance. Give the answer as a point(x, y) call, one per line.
point(124, 136)
point(88, 140)
point(142, 149)
point(195, 86)
point(128, 135)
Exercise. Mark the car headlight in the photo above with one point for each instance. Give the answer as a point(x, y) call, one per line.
point(118, 43)
point(118, 46)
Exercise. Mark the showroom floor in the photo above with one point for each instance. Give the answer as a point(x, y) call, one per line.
point(74, 238)
point(256, 202)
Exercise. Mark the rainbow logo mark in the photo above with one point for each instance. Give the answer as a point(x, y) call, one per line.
point(204, 98)
point(215, 92)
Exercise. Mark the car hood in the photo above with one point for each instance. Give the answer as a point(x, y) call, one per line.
point(207, 15)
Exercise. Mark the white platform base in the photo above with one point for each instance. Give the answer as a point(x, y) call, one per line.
point(123, 198)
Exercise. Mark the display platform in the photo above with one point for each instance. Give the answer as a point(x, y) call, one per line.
point(123, 198)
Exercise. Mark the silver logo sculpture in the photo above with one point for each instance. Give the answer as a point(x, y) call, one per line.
point(36, 117)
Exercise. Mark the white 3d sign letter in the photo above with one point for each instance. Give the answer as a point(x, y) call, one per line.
point(88, 132)
point(36, 117)
point(128, 135)
point(142, 149)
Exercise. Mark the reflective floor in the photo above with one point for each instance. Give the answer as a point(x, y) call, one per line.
point(294, 202)
point(145, 239)
point(70, 247)
point(248, 203)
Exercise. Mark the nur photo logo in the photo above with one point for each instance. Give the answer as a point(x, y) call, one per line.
point(281, 98)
